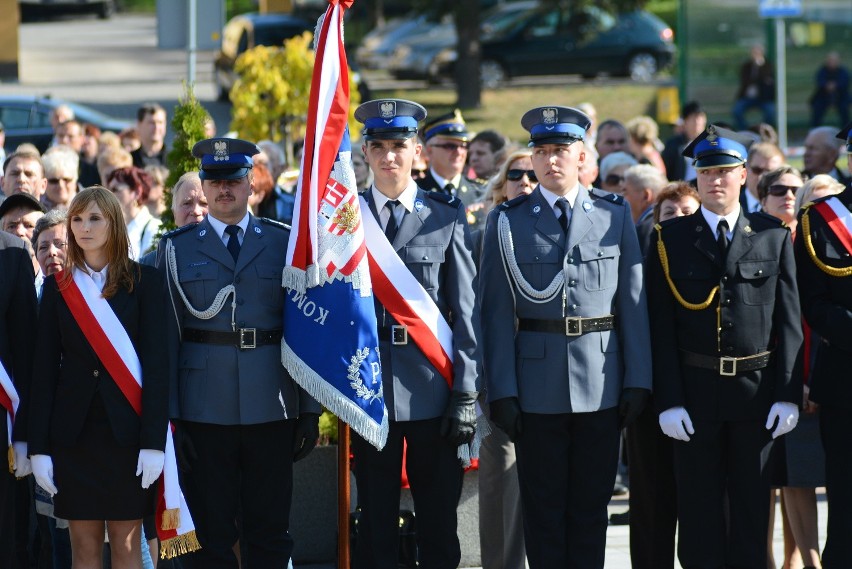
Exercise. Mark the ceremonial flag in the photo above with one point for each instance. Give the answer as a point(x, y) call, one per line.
point(330, 344)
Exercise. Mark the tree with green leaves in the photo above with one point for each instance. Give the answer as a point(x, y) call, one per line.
point(270, 95)
point(188, 125)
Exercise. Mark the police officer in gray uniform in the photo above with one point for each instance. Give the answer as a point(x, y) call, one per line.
point(433, 414)
point(565, 338)
point(241, 419)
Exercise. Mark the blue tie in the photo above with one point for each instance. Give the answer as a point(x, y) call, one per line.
point(562, 204)
point(233, 241)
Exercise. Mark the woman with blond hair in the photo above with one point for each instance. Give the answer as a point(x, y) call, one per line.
point(97, 428)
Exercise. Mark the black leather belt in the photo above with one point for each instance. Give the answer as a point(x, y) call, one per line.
point(396, 334)
point(243, 338)
point(567, 326)
point(725, 365)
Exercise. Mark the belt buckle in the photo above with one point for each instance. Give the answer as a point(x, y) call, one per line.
point(399, 335)
point(573, 326)
point(251, 343)
point(727, 366)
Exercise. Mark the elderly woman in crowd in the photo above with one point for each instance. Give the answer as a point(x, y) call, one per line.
point(131, 186)
point(817, 187)
point(612, 169)
point(61, 164)
point(49, 240)
point(676, 199)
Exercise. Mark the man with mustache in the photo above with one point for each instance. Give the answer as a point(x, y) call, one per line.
point(241, 419)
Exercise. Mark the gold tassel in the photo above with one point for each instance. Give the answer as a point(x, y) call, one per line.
point(171, 519)
point(178, 545)
point(11, 455)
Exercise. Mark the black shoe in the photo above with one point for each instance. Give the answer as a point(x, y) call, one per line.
point(621, 519)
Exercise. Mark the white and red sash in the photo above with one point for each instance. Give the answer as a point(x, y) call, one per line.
point(839, 220)
point(9, 401)
point(115, 350)
point(406, 299)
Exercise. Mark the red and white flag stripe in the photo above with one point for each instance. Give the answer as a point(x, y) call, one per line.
point(839, 219)
point(406, 299)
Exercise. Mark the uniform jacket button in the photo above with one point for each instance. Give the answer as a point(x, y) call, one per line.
point(572, 307)
point(600, 253)
point(758, 273)
point(725, 279)
point(425, 257)
point(572, 283)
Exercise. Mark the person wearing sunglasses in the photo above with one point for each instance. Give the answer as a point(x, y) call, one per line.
point(612, 171)
point(762, 157)
point(445, 144)
point(777, 191)
point(563, 262)
point(726, 332)
point(825, 278)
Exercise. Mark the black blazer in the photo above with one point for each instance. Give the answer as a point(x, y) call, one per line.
point(18, 326)
point(68, 373)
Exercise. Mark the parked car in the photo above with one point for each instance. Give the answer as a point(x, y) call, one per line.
point(378, 46)
point(40, 8)
point(27, 119)
point(246, 31)
point(562, 41)
point(424, 55)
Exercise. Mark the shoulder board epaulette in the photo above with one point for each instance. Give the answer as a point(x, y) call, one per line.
point(475, 181)
point(606, 196)
point(179, 230)
point(444, 198)
point(672, 221)
point(513, 202)
point(274, 223)
point(480, 181)
point(765, 220)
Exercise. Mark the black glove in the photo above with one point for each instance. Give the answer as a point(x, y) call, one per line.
point(184, 449)
point(459, 421)
point(506, 414)
point(307, 433)
point(633, 400)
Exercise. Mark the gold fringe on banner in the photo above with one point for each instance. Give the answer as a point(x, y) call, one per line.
point(178, 545)
point(171, 519)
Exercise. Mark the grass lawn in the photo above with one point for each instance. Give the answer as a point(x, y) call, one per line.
point(502, 109)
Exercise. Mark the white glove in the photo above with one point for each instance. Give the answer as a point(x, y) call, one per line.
point(23, 467)
point(150, 465)
point(787, 415)
point(675, 423)
point(43, 472)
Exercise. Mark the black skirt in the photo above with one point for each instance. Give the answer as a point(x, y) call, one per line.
point(96, 477)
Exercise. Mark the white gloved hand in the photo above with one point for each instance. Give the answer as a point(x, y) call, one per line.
point(675, 423)
point(787, 415)
point(150, 465)
point(43, 472)
point(23, 466)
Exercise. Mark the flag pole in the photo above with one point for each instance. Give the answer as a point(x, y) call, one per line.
point(343, 495)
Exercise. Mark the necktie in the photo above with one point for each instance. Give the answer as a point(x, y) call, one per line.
point(392, 226)
point(233, 241)
point(562, 204)
point(450, 189)
point(722, 236)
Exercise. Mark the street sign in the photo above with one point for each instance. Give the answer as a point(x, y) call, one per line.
point(780, 8)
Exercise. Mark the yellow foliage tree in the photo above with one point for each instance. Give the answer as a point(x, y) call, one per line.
point(270, 97)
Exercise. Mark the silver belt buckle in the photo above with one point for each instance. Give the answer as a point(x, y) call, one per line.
point(727, 366)
point(399, 335)
point(248, 338)
point(573, 326)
